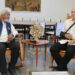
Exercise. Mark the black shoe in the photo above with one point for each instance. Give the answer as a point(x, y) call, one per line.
point(3, 73)
point(55, 69)
point(12, 71)
point(60, 69)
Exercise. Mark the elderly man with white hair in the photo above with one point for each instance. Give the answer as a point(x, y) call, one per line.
point(7, 39)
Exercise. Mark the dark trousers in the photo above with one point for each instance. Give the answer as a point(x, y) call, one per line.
point(14, 46)
point(62, 62)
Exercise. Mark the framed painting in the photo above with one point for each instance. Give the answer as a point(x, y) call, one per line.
point(24, 5)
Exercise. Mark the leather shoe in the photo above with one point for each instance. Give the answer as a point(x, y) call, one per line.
point(3, 73)
point(60, 69)
point(12, 71)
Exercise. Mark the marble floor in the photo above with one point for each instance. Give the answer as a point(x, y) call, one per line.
point(30, 63)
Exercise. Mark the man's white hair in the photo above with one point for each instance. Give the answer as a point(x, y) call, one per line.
point(4, 10)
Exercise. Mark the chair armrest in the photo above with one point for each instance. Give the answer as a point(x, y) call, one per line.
point(19, 35)
point(54, 37)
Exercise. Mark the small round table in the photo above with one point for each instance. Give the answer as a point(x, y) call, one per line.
point(37, 44)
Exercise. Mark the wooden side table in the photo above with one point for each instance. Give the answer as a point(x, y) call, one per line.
point(37, 44)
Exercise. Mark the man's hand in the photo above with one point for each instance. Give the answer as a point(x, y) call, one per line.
point(71, 42)
point(10, 37)
point(68, 36)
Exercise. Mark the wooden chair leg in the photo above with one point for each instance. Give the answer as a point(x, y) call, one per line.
point(21, 65)
point(21, 55)
point(51, 62)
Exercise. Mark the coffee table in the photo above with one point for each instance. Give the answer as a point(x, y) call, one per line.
point(37, 44)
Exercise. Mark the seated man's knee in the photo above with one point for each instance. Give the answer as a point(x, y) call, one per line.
point(16, 47)
point(52, 49)
point(55, 48)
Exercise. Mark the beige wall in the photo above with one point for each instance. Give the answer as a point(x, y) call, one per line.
point(54, 9)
